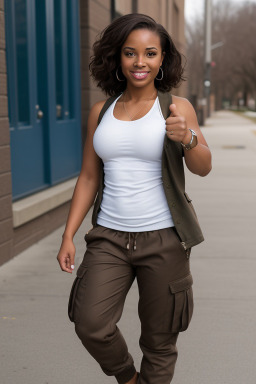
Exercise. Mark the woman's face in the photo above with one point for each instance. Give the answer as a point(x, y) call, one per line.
point(141, 57)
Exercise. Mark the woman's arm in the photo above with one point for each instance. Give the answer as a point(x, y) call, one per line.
point(183, 117)
point(84, 192)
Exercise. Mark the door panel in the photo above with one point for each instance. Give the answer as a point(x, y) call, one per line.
point(66, 96)
point(43, 66)
point(26, 131)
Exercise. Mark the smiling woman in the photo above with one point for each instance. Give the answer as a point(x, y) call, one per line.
point(144, 224)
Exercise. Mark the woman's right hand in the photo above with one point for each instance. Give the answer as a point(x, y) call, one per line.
point(66, 255)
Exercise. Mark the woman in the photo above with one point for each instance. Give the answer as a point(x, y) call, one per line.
point(143, 222)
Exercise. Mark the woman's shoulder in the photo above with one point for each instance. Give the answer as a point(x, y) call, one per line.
point(94, 115)
point(183, 104)
point(182, 101)
point(97, 107)
point(95, 111)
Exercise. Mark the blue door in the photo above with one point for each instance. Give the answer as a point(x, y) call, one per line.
point(43, 67)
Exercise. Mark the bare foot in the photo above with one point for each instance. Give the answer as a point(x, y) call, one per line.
point(133, 380)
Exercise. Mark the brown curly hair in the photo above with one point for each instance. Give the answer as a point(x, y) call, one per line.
point(107, 52)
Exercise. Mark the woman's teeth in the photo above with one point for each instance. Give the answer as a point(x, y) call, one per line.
point(140, 75)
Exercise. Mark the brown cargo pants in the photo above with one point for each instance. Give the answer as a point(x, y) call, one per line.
point(111, 262)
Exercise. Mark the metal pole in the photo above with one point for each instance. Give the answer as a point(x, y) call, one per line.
point(134, 6)
point(208, 56)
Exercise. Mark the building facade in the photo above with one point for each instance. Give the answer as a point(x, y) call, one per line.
point(46, 93)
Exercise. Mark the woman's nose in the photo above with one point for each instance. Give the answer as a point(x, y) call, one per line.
point(139, 62)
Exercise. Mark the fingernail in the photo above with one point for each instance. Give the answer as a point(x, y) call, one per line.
point(72, 266)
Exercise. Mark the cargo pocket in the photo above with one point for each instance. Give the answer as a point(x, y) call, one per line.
point(72, 297)
point(183, 303)
point(89, 235)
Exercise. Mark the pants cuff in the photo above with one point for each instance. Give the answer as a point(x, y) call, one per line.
point(126, 375)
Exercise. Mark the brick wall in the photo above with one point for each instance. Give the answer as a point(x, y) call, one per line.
point(6, 225)
point(94, 17)
point(153, 9)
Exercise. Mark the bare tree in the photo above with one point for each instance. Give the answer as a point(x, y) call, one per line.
point(234, 69)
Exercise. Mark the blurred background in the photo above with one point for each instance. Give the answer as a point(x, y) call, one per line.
point(46, 92)
point(221, 54)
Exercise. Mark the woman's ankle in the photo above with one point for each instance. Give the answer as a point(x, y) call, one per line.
point(133, 379)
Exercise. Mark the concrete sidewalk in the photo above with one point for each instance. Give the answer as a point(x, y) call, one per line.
point(38, 343)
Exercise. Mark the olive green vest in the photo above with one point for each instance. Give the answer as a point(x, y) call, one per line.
point(183, 213)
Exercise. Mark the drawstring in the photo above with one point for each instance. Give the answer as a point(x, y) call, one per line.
point(134, 242)
point(128, 244)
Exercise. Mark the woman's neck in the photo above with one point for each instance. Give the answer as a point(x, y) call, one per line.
point(139, 94)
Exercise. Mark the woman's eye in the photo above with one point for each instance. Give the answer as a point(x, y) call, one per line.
point(129, 54)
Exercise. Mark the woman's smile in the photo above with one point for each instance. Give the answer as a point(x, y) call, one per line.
point(140, 75)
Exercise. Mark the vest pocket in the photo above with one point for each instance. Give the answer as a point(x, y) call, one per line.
point(190, 204)
point(183, 303)
point(71, 303)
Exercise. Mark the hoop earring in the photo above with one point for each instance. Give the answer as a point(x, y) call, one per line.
point(161, 74)
point(117, 74)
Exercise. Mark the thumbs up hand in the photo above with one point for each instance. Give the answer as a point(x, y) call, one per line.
point(176, 126)
point(174, 110)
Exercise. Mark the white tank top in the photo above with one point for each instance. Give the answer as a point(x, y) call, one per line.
point(133, 196)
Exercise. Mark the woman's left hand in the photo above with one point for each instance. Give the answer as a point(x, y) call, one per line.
point(183, 117)
point(176, 126)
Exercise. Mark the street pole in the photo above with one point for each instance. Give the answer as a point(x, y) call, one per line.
point(208, 56)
